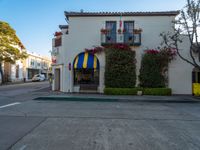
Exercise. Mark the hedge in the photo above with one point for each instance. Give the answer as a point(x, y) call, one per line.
point(157, 91)
point(120, 91)
point(133, 91)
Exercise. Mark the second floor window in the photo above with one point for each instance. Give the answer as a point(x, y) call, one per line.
point(32, 62)
point(111, 26)
point(128, 35)
point(58, 41)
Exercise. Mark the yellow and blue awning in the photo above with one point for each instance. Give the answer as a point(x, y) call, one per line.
point(86, 61)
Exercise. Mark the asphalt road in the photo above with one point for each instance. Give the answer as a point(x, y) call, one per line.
point(20, 92)
point(54, 125)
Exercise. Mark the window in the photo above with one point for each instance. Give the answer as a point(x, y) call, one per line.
point(45, 65)
point(58, 41)
point(195, 77)
point(129, 26)
point(32, 62)
point(86, 76)
point(128, 35)
point(111, 26)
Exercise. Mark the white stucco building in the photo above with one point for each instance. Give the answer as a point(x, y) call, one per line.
point(14, 72)
point(86, 29)
point(37, 64)
point(24, 70)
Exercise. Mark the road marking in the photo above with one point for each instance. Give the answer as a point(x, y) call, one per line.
point(8, 105)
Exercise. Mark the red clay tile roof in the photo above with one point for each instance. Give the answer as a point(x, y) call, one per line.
point(91, 14)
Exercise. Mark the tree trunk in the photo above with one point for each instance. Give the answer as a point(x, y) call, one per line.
point(1, 73)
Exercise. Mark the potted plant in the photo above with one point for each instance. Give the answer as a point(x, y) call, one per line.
point(119, 31)
point(137, 31)
point(58, 34)
point(124, 30)
point(104, 31)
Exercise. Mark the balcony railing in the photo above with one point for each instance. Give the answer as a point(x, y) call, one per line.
point(132, 39)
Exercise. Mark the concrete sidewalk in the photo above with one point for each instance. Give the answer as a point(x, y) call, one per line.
point(119, 98)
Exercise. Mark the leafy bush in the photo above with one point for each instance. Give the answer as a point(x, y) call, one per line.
point(150, 72)
point(157, 91)
point(133, 91)
point(120, 66)
point(154, 66)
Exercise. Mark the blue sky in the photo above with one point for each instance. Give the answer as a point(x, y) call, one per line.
point(35, 21)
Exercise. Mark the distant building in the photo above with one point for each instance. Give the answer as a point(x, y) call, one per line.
point(14, 72)
point(24, 70)
point(36, 64)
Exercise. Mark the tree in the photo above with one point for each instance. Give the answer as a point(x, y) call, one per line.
point(186, 25)
point(10, 46)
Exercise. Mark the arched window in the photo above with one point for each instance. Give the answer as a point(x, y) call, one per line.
point(86, 69)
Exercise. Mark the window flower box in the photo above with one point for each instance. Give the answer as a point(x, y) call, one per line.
point(104, 31)
point(120, 31)
point(57, 34)
point(137, 31)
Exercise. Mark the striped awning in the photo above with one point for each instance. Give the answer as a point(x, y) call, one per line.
point(86, 61)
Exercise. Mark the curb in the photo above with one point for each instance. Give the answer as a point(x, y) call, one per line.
point(93, 99)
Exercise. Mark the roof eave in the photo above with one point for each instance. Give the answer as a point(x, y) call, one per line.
point(110, 14)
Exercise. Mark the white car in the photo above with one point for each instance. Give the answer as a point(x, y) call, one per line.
point(38, 77)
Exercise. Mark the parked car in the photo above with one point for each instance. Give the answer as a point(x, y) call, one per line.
point(38, 77)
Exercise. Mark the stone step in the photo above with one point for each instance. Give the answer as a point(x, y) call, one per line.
point(88, 91)
point(88, 87)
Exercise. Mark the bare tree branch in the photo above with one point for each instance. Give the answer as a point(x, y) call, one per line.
point(187, 23)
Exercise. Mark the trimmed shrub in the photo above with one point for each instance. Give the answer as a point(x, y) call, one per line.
point(120, 91)
point(120, 67)
point(157, 91)
point(133, 91)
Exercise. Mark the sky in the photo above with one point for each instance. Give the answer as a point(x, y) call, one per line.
point(35, 21)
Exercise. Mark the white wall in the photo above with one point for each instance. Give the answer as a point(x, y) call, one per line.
point(13, 71)
point(180, 72)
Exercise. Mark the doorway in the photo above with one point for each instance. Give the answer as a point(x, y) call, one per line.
point(57, 79)
point(196, 82)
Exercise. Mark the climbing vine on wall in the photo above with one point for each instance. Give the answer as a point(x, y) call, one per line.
point(120, 66)
point(154, 66)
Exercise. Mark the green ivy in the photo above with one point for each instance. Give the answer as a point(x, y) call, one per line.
point(154, 66)
point(120, 67)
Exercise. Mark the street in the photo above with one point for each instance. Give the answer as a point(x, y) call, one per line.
point(27, 124)
point(19, 92)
